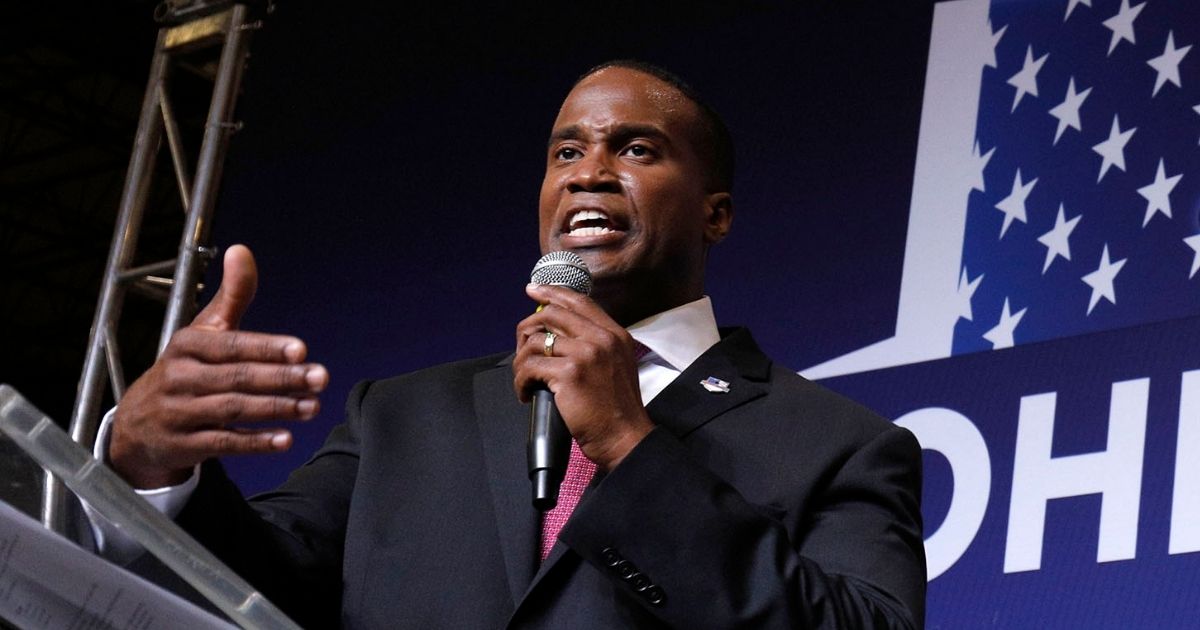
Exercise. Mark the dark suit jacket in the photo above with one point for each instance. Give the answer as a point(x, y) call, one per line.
point(777, 505)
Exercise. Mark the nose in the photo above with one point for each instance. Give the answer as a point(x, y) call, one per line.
point(593, 173)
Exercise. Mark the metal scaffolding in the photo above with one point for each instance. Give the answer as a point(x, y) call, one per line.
point(200, 36)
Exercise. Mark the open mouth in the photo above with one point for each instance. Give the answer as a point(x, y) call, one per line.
point(590, 223)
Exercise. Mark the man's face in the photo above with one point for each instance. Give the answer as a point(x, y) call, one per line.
point(625, 189)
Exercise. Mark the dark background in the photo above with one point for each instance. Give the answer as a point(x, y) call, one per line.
point(387, 173)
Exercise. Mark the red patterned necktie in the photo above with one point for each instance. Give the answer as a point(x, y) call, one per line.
point(580, 471)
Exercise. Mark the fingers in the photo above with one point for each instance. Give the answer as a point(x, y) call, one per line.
point(575, 335)
point(562, 322)
point(196, 378)
point(563, 297)
point(195, 445)
point(565, 311)
point(212, 346)
point(585, 336)
point(239, 281)
point(533, 368)
point(158, 435)
point(214, 410)
point(570, 313)
point(541, 372)
point(203, 445)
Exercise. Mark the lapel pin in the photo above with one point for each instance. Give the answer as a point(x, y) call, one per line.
point(715, 385)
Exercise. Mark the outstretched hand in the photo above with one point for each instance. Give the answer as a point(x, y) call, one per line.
point(210, 376)
point(593, 372)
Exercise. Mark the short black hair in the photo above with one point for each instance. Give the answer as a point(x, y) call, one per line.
point(715, 141)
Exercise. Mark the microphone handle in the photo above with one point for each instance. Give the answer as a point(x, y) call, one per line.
point(548, 451)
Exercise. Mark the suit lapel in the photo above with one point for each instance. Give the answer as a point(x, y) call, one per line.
point(685, 405)
point(503, 423)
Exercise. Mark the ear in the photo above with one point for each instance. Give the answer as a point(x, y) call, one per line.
point(719, 216)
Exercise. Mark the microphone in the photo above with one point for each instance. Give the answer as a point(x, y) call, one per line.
point(549, 445)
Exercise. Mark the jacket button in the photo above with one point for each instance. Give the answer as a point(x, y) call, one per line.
point(655, 595)
point(625, 569)
point(610, 556)
point(639, 582)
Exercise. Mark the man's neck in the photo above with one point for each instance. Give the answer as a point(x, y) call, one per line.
point(628, 304)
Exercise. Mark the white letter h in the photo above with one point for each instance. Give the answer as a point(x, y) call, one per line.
point(1115, 473)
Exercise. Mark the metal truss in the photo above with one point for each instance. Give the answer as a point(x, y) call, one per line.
point(199, 37)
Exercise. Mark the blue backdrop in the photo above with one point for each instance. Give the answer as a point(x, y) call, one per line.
point(898, 234)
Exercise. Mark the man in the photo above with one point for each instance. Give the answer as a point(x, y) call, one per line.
point(751, 499)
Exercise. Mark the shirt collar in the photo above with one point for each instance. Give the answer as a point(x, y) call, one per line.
point(680, 335)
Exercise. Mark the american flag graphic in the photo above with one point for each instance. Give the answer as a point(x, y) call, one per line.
point(1086, 213)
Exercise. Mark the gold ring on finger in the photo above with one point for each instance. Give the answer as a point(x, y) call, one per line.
point(548, 344)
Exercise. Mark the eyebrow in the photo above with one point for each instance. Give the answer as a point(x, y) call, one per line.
point(620, 133)
point(573, 132)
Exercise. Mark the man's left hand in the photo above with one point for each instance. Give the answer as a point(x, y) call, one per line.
point(592, 372)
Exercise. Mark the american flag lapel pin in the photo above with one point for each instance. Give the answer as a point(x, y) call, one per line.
point(715, 385)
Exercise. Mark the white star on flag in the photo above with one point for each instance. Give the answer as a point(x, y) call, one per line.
point(1194, 242)
point(1158, 193)
point(1113, 149)
point(981, 162)
point(1121, 24)
point(1167, 64)
point(1074, 3)
point(1026, 79)
point(1002, 335)
point(1067, 112)
point(1057, 240)
point(1013, 206)
point(1055, 245)
point(1101, 280)
point(966, 289)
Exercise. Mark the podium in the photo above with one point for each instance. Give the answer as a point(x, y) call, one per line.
point(23, 546)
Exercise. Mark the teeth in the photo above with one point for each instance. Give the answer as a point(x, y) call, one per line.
point(590, 231)
point(585, 215)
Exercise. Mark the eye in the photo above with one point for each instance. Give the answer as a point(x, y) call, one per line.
point(567, 153)
point(639, 151)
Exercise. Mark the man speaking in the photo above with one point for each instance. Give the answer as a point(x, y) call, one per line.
point(707, 487)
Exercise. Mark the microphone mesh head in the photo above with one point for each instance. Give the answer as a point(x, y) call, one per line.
point(564, 269)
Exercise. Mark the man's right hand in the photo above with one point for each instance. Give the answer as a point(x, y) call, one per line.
point(211, 375)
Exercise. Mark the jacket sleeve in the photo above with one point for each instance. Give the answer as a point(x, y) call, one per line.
point(287, 542)
point(699, 555)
